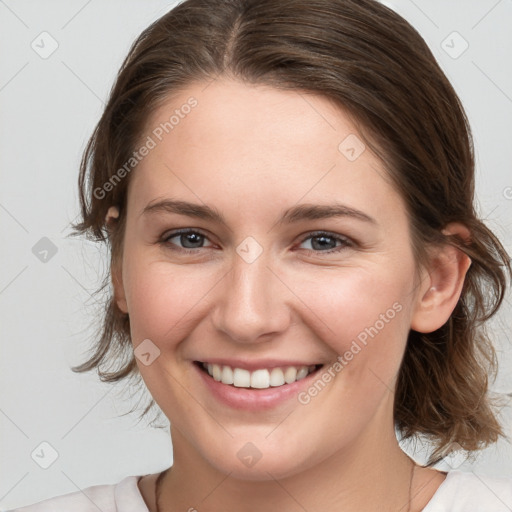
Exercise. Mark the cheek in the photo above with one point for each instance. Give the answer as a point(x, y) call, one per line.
point(363, 314)
point(164, 302)
point(162, 297)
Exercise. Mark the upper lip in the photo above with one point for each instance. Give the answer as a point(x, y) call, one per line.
point(257, 364)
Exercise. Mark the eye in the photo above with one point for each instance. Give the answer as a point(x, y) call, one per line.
point(190, 238)
point(325, 242)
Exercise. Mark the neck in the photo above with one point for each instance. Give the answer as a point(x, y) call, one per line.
point(373, 474)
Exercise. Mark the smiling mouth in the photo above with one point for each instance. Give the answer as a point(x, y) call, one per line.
point(258, 379)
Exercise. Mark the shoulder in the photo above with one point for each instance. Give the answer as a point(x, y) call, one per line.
point(121, 497)
point(471, 492)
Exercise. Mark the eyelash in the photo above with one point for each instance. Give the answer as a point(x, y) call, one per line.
point(316, 234)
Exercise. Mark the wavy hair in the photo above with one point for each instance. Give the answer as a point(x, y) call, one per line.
point(375, 65)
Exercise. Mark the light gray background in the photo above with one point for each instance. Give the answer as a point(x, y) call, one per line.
point(48, 110)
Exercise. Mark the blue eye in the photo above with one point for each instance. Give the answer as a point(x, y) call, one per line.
point(190, 238)
point(326, 240)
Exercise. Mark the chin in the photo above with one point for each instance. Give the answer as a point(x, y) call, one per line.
point(261, 470)
point(245, 461)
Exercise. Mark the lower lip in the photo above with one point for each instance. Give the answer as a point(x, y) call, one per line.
point(251, 399)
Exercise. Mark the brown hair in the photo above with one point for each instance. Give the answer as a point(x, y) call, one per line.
point(374, 64)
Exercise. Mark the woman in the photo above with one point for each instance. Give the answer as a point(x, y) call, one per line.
point(297, 268)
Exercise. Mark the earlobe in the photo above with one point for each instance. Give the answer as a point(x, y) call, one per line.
point(441, 288)
point(112, 213)
point(119, 294)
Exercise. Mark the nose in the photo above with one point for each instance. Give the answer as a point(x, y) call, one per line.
point(252, 302)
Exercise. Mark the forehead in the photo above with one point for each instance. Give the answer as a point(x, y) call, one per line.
point(232, 112)
point(230, 143)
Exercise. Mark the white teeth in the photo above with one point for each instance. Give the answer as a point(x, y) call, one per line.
point(290, 374)
point(258, 379)
point(217, 372)
point(301, 373)
point(241, 378)
point(227, 375)
point(277, 377)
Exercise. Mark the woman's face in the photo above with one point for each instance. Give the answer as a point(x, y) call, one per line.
point(280, 281)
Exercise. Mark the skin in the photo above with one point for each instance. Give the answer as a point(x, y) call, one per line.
point(251, 152)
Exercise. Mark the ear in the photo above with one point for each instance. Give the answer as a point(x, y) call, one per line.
point(119, 293)
point(441, 285)
point(116, 273)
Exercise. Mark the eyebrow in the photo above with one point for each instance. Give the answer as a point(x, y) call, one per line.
point(294, 214)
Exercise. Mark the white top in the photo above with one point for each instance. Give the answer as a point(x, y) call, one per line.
point(459, 492)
